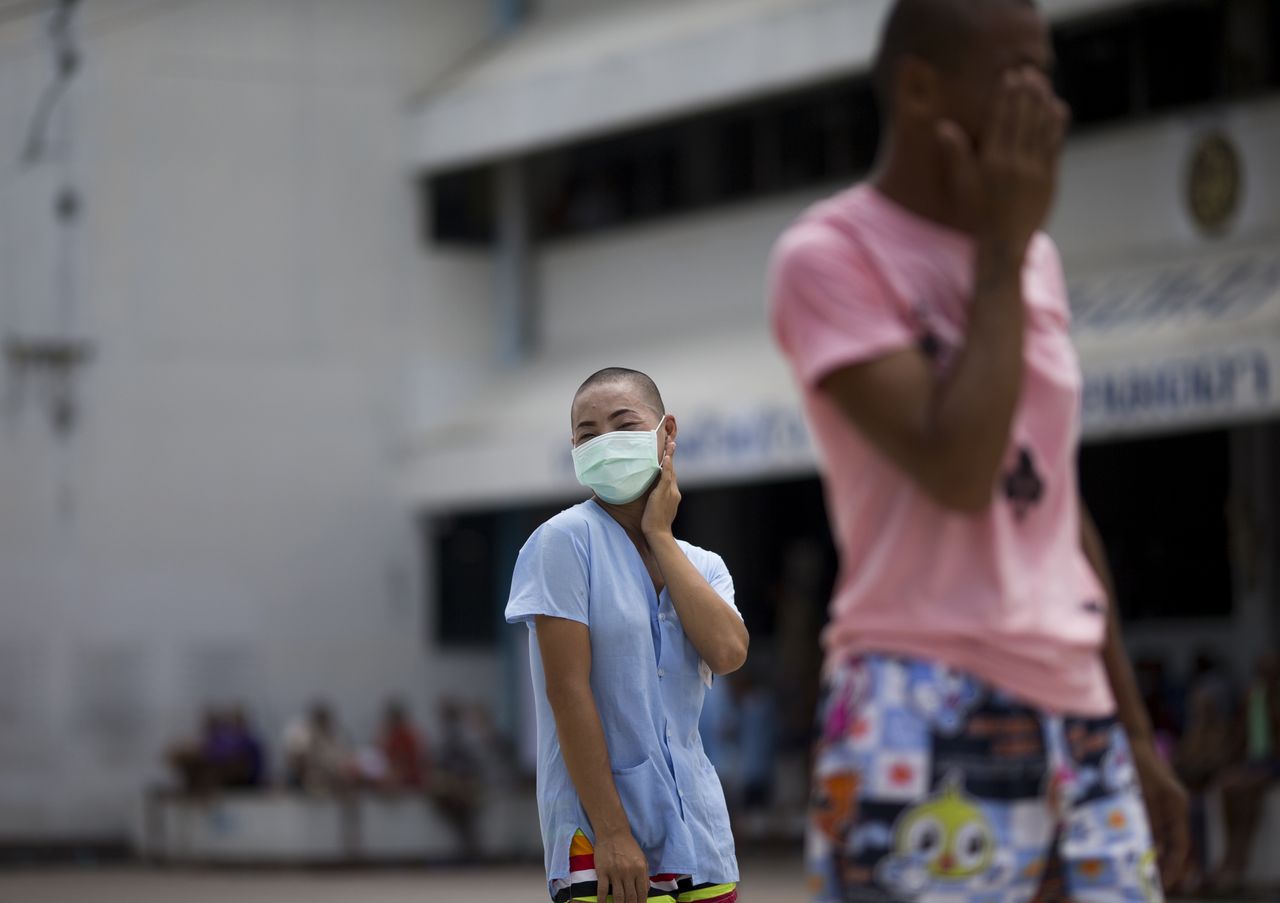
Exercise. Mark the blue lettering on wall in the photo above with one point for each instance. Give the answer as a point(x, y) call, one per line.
point(1224, 289)
point(1235, 381)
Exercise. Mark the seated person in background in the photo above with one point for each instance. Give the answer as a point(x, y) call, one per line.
point(1157, 697)
point(1202, 753)
point(235, 754)
point(497, 763)
point(457, 783)
point(1246, 784)
point(317, 758)
point(402, 748)
point(757, 741)
point(189, 757)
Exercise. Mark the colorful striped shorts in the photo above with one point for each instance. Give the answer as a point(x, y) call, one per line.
point(582, 883)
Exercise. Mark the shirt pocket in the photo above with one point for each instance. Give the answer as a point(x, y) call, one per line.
point(642, 795)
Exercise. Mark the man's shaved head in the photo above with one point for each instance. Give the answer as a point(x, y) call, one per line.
point(634, 379)
point(937, 31)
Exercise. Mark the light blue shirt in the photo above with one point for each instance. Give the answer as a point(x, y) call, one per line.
point(648, 688)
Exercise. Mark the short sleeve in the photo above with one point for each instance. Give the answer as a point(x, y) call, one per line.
point(1046, 286)
point(829, 307)
point(718, 576)
point(550, 578)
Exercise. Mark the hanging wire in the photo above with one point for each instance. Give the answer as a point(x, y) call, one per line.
point(66, 64)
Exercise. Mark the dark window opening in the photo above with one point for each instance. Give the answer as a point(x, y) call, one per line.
point(787, 555)
point(465, 578)
point(1096, 71)
point(1142, 60)
point(459, 206)
point(1182, 49)
point(1164, 567)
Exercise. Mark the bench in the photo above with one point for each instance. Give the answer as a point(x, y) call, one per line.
point(281, 828)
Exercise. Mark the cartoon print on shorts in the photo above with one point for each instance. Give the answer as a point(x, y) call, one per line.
point(945, 840)
point(944, 697)
point(1118, 772)
point(835, 804)
point(1149, 877)
point(846, 695)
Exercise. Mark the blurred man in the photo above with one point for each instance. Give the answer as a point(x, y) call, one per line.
point(757, 744)
point(1245, 786)
point(189, 757)
point(1203, 751)
point(317, 756)
point(402, 748)
point(241, 759)
point(627, 627)
point(458, 782)
point(970, 747)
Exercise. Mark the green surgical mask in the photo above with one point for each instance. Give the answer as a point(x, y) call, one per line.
point(618, 466)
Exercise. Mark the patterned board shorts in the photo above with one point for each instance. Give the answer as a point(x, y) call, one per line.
point(933, 787)
point(581, 885)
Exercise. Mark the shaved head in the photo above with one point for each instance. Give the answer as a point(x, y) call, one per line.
point(937, 31)
point(633, 379)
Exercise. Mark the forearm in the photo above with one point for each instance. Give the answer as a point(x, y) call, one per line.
point(711, 625)
point(972, 410)
point(586, 757)
point(1130, 707)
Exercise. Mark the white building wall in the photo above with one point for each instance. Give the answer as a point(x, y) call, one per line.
point(1121, 200)
point(222, 523)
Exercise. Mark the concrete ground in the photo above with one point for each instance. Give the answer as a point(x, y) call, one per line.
point(772, 880)
point(777, 881)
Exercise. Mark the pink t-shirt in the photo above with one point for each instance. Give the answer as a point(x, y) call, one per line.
point(1006, 594)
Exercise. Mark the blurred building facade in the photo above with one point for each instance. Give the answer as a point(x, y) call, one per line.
point(343, 265)
point(627, 170)
point(219, 521)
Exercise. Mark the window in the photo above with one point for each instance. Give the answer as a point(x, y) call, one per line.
point(1182, 49)
point(775, 539)
point(1095, 71)
point(459, 206)
point(475, 552)
point(1143, 59)
point(1164, 566)
point(465, 583)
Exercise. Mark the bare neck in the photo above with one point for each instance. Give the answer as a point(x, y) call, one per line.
point(628, 515)
point(910, 174)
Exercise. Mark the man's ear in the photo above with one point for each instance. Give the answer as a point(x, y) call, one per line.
point(671, 426)
point(916, 88)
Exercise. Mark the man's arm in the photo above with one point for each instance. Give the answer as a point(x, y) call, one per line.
point(950, 436)
point(1167, 802)
point(566, 662)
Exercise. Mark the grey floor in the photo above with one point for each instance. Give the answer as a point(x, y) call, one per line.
point(777, 882)
point(771, 880)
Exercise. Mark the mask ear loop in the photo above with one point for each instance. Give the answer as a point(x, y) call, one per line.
point(658, 432)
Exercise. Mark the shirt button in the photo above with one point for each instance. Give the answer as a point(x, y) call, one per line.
point(681, 794)
point(662, 617)
point(661, 673)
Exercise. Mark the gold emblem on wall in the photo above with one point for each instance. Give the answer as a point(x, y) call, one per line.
point(1214, 182)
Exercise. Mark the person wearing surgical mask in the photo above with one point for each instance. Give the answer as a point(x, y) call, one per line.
point(627, 628)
